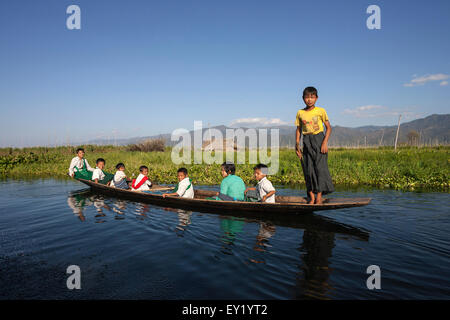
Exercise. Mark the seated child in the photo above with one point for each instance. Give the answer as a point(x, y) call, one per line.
point(120, 179)
point(265, 191)
point(232, 187)
point(184, 187)
point(79, 167)
point(142, 182)
point(100, 176)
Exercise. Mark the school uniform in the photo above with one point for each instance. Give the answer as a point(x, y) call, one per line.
point(263, 187)
point(141, 183)
point(79, 163)
point(185, 188)
point(119, 180)
point(98, 174)
point(314, 163)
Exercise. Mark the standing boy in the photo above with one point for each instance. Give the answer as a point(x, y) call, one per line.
point(310, 123)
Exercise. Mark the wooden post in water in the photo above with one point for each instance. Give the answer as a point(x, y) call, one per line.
point(398, 129)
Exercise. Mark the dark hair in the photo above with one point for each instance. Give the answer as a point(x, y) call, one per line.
point(100, 160)
point(142, 168)
point(80, 149)
point(229, 167)
point(120, 165)
point(262, 167)
point(310, 90)
point(184, 170)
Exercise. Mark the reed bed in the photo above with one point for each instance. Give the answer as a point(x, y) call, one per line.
point(408, 168)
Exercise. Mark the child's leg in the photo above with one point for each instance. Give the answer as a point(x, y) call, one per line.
point(312, 197)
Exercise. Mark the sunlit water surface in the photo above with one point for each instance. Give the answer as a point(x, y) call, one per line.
point(129, 250)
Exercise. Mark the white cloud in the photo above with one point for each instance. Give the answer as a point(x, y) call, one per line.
point(380, 112)
point(420, 81)
point(257, 122)
point(364, 111)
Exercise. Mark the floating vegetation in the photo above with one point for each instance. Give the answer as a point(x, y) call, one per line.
point(408, 168)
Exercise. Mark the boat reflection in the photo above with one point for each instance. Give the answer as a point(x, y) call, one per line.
point(315, 248)
point(79, 201)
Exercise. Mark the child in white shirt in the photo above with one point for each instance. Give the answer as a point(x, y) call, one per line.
point(98, 175)
point(142, 182)
point(78, 164)
point(264, 188)
point(120, 180)
point(184, 187)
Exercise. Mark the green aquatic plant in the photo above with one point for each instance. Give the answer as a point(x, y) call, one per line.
point(408, 168)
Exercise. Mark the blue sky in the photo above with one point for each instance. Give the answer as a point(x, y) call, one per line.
point(140, 68)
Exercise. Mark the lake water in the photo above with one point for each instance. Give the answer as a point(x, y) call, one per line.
point(129, 250)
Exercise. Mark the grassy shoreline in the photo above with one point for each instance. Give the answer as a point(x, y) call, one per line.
point(405, 169)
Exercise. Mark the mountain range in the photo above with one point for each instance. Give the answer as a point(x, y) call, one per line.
point(431, 130)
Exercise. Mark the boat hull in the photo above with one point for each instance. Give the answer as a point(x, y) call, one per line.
point(285, 204)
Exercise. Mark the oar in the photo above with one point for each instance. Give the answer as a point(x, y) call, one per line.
point(160, 188)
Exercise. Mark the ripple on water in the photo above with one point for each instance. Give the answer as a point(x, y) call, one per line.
point(133, 250)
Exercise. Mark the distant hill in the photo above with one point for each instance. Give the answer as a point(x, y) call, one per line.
point(431, 130)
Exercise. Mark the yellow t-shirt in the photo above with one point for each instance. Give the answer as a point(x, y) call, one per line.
point(311, 121)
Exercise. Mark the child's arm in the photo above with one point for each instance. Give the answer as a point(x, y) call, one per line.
point(249, 188)
point(72, 165)
point(298, 134)
point(324, 148)
point(170, 194)
point(95, 176)
point(223, 188)
point(271, 193)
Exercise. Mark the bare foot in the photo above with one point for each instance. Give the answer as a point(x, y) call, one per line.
point(319, 198)
point(312, 197)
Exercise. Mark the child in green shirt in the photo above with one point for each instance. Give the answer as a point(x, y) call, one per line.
point(232, 187)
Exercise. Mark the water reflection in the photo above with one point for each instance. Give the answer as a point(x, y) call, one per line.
point(312, 279)
point(79, 201)
point(230, 228)
point(266, 231)
point(184, 220)
point(316, 236)
point(141, 210)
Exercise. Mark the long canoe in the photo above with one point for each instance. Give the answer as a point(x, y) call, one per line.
point(285, 205)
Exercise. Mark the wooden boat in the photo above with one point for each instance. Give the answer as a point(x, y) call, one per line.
point(285, 205)
point(307, 222)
